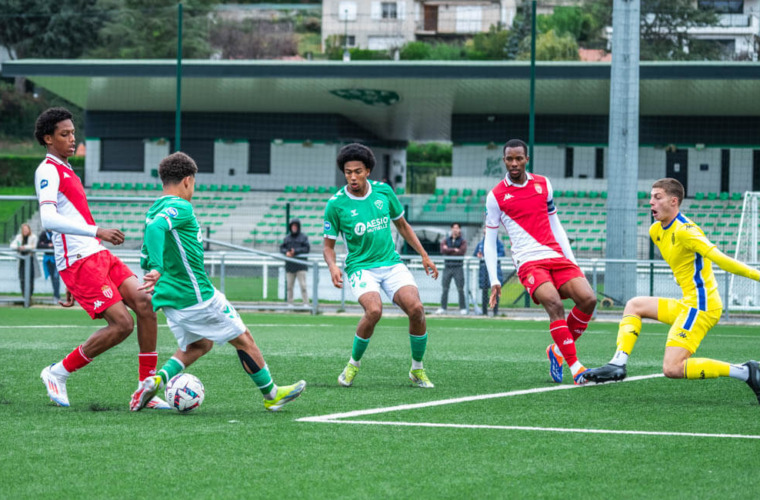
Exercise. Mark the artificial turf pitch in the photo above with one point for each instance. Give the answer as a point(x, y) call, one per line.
point(679, 439)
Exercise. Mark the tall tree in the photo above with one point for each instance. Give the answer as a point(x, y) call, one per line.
point(47, 29)
point(147, 29)
point(664, 28)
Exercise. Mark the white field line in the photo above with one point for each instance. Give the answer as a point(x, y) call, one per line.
point(337, 418)
point(440, 402)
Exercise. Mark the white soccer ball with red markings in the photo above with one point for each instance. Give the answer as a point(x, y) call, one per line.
point(185, 392)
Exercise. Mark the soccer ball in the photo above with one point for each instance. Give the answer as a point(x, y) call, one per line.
point(185, 392)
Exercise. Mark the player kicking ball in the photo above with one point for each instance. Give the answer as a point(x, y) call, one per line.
point(690, 256)
point(362, 211)
point(198, 314)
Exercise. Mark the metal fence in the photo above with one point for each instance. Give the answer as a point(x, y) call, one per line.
point(255, 280)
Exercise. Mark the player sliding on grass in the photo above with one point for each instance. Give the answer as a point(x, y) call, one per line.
point(524, 204)
point(101, 283)
point(362, 212)
point(197, 313)
point(690, 255)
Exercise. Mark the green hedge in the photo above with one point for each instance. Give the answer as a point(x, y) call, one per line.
point(19, 170)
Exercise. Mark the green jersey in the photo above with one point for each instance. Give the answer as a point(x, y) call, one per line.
point(366, 226)
point(173, 246)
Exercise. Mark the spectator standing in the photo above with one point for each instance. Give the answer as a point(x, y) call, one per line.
point(483, 282)
point(296, 243)
point(24, 243)
point(45, 242)
point(453, 245)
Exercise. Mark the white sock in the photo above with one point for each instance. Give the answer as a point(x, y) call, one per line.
point(576, 368)
point(59, 371)
point(355, 363)
point(557, 351)
point(739, 372)
point(620, 358)
point(271, 395)
point(416, 365)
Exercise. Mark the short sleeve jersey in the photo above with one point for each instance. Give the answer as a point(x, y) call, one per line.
point(58, 185)
point(365, 224)
point(524, 212)
point(173, 245)
point(683, 245)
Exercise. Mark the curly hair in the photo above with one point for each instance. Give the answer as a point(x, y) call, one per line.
point(355, 152)
point(176, 167)
point(48, 121)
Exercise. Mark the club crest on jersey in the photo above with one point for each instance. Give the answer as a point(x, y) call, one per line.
point(379, 204)
point(538, 187)
point(531, 279)
point(43, 183)
point(107, 291)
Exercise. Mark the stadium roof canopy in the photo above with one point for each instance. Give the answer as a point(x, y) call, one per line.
point(398, 100)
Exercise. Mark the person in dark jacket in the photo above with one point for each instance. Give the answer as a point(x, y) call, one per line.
point(456, 246)
point(296, 243)
point(483, 281)
point(45, 242)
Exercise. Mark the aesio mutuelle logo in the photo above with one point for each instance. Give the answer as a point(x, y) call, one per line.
point(374, 225)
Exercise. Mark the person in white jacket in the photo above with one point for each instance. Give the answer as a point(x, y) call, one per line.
point(24, 243)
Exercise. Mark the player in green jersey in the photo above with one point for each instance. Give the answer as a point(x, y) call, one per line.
point(198, 314)
point(362, 212)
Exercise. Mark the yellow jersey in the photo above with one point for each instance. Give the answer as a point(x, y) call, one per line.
point(684, 245)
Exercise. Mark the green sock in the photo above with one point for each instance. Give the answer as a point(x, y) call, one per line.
point(263, 380)
point(360, 345)
point(419, 344)
point(171, 368)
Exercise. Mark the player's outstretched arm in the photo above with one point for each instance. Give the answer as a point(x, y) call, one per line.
point(328, 252)
point(406, 232)
point(732, 266)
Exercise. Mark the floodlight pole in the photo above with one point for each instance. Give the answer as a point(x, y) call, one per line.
point(178, 106)
point(532, 112)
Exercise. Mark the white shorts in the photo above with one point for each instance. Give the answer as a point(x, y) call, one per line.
point(214, 319)
point(389, 278)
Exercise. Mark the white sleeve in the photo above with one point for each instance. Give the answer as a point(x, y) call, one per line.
point(561, 236)
point(493, 218)
point(53, 221)
point(550, 207)
point(46, 182)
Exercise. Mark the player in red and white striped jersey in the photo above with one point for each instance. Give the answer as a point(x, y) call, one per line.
point(100, 282)
point(524, 204)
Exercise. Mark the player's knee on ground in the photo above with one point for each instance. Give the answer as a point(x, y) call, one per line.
point(673, 369)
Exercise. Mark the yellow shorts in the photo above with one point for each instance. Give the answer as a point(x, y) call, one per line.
point(688, 325)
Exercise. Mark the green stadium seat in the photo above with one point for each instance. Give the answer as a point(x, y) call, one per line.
point(321, 190)
point(453, 192)
point(467, 192)
point(225, 188)
point(139, 186)
point(724, 196)
point(736, 196)
point(433, 199)
point(128, 186)
point(213, 187)
point(699, 196)
point(461, 200)
point(593, 194)
point(569, 194)
point(604, 195)
point(558, 193)
point(235, 188)
point(97, 185)
point(712, 196)
point(446, 199)
point(481, 192)
point(427, 208)
point(311, 189)
point(288, 189)
point(300, 189)
point(581, 194)
point(438, 192)
point(246, 188)
point(441, 208)
point(642, 195)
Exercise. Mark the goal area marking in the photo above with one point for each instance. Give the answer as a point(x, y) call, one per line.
point(340, 418)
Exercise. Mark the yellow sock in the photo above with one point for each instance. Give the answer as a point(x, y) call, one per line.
point(695, 368)
point(628, 333)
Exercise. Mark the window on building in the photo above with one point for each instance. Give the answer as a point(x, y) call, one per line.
point(389, 10)
point(122, 155)
point(259, 158)
point(569, 162)
point(722, 6)
point(347, 41)
point(201, 151)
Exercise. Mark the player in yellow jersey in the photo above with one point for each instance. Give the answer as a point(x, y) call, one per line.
point(690, 256)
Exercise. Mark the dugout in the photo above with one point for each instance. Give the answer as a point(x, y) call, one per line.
point(267, 124)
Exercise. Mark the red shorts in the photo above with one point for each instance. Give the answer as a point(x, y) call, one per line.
point(95, 280)
point(556, 271)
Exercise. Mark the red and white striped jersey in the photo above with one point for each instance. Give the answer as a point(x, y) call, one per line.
point(524, 212)
point(58, 185)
